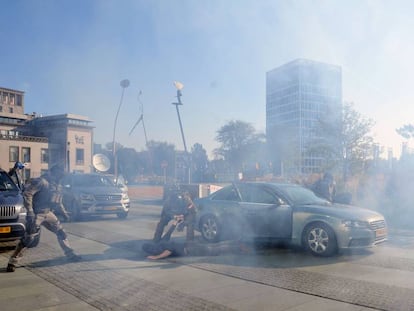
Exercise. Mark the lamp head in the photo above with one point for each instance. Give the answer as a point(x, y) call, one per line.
point(178, 85)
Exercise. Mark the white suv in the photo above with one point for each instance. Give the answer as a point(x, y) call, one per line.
point(93, 194)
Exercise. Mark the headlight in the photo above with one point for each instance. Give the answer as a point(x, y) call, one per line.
point(87, 196)
point(355, 223)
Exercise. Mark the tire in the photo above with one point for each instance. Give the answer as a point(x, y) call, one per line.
point(210, 228)
point(122, 215)
point(319, 239)
point(75, 212)
point(36, 240)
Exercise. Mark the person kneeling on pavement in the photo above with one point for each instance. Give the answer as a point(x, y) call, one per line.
point(177, 204)
point(42, 197)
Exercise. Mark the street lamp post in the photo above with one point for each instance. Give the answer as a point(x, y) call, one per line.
point(124, 84)
point(179, 86)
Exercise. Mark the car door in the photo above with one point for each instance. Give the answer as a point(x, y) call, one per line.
point(265, 212)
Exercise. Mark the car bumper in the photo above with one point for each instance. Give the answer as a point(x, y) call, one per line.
point(11, 231)
point(360, 238)
point(105, 208)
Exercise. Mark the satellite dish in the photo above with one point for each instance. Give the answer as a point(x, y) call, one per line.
point(101, 162)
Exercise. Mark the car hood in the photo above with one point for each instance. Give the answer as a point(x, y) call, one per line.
point(11, 198)
point(99, 190)
point(342, 211)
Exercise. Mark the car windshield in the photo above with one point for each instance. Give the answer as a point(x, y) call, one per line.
point(92, 181)
point(6, 184)
point(302, 196)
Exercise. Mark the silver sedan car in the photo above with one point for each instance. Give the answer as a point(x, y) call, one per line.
point(287, 212)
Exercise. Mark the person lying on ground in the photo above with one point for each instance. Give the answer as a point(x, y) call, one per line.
point(166, 248)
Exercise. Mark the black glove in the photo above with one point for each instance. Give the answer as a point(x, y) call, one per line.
point(30, 223)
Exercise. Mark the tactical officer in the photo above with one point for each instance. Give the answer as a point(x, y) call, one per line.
point(325, 187)
point(42, 197)
point(177, 204)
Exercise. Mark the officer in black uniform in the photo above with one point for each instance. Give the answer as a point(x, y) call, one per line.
point(42, 197)
point(177, 204)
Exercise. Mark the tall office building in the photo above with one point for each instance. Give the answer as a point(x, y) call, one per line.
point(299, 95)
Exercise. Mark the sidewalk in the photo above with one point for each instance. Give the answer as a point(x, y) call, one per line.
point(23, 290)
point(111, 278)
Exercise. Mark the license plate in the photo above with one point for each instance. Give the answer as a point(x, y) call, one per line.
point(5, 229)
point(381, 232)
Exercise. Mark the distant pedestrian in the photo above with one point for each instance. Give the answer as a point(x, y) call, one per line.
point(42, 197)
point(325, 187)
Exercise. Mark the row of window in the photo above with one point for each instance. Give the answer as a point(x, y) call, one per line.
point(10, 99)
point(306, 101)
point(44, 155)
point(9, 133)
point(10, 110)
point(26, 154)
point(9, 120)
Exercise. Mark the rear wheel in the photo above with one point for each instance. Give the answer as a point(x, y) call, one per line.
point(210, 228)
point(320, 240)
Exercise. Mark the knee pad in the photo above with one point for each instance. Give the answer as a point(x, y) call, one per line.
point(61, 234)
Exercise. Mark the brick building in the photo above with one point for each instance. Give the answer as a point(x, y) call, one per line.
point(40, 141)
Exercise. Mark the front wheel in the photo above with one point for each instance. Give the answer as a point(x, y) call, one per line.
point(75, 212)
point(36, 239)
point(320, 240)
point(210, 228)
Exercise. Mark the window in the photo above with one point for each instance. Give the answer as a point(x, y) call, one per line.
point(227, 194)
point(19, 101)
point(254, 194)
point(44, 155)
point(26, 154)
point(1, 108)
point(5, 98)
point(13, 154)
point(26, 174)
point(11, 109)
point(80, 156)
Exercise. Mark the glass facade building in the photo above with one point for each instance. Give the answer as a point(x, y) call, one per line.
point(298, 95)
